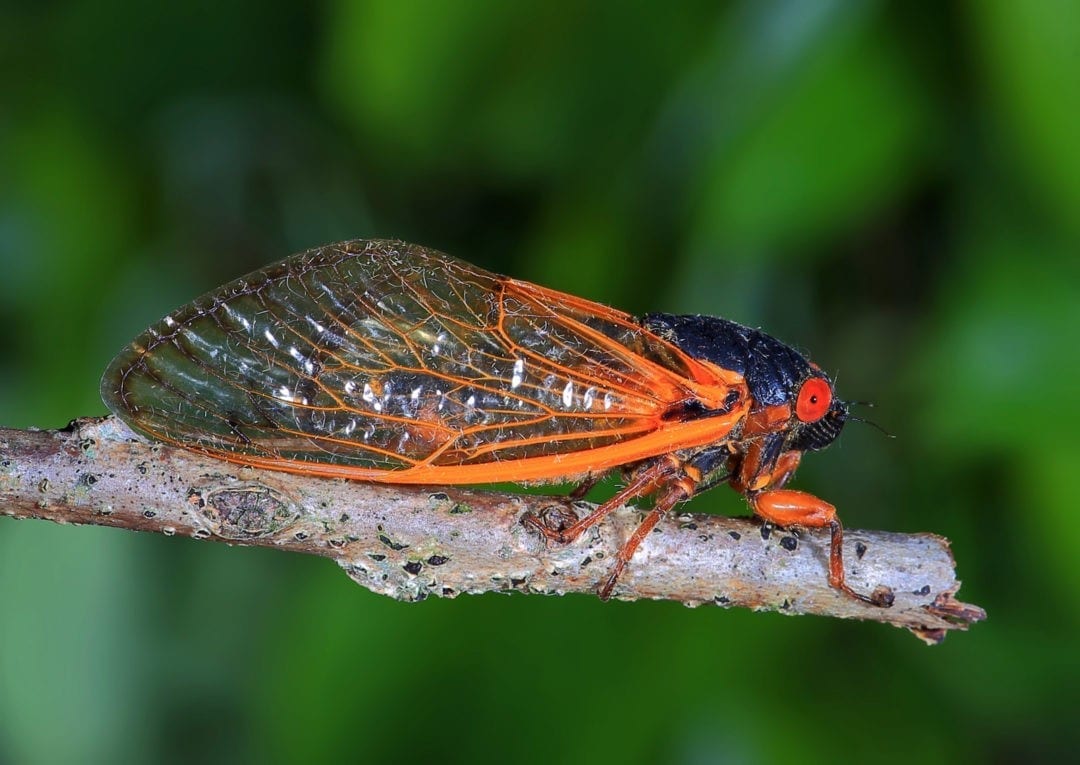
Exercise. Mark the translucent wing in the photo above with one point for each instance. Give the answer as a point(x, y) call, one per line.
point(385, 361)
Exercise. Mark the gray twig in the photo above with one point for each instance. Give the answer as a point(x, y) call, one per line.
point(412, 542)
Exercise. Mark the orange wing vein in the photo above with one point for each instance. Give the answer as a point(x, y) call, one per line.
point(383, 361)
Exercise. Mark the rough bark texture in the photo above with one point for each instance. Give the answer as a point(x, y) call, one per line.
point(410, 543)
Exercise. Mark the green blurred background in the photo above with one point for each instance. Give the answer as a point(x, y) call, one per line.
point(894, 186)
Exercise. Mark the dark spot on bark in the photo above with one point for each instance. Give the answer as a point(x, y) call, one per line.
point(924, 590)
point(438, 560)
point(860, 550)
point(395, 546)
point(688, 525)
point(735, 535)
point(766, 530)
point(344, 518)
point(460, 508)
point(149, 514)
point(413, 567)
point(514, 582)
point(722, 600)
point(196, 498)
point(300, 536)
point(88, 479)
point(143, 468)
point(448, 592)
point(377, 557)
point(439, 496)
point(586, 562)
point(87, 444)
point(789, 543)
point(785, 605)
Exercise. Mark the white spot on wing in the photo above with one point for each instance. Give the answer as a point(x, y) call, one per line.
point(237, 316)
point(286, 395)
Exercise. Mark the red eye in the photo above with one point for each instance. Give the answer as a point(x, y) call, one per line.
point(815, 397)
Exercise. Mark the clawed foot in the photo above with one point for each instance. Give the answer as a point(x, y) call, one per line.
point(881, 597)
point(555, 522)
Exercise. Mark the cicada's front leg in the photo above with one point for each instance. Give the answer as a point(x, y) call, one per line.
point(787, 507)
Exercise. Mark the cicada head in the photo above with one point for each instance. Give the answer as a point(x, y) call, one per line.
point(817, 417)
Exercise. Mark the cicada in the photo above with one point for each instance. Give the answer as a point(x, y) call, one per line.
point(388, 362)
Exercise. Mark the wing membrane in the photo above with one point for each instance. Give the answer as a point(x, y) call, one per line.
point(387, 361)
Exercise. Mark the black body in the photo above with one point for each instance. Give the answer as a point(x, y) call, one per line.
point(774, 372)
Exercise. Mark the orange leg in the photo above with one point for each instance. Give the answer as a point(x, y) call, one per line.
point(676, 494)
point(786, 507)
point(665, 473)
point(645, 481)
point(583, 488)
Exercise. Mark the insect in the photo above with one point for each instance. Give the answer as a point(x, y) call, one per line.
point(389, 362)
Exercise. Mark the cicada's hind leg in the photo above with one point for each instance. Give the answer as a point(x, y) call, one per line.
point(666, 475)
point(642, 482)
point(675, 493)
point(559, 521)
point(582, 489)
point(786, 507)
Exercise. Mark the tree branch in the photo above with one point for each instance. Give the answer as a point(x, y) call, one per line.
point(412, 542)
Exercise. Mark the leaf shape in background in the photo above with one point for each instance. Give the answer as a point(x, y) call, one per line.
point(526, 91)
point(1031, 64)
point(841, 137)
